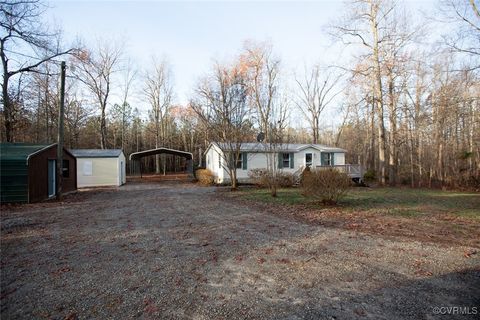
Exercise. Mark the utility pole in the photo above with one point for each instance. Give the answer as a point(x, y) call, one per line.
point(60, 132)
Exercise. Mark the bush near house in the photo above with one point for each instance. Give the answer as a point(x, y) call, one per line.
point(285, 179)
point(262, 178)
point(205, 177)
point(327, 186)
point(369, 175)
point(258, 177)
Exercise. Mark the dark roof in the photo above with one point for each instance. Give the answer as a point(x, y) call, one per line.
point(96, 153)
point(19, 151)
point(284, 147)
point(141, 154)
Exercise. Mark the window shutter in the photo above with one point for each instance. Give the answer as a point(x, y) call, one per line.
point(280, 160)
point(244, 161)
point(331, 159)
point(321, 159)
point(291, 160)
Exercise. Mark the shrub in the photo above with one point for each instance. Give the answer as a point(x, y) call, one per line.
point(284, 179)
point(369, 175)
point(263, 178)
point(205, 177)
point(327, 186)
point(259, 177)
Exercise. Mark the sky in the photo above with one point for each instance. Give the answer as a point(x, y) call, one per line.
point(192, 35)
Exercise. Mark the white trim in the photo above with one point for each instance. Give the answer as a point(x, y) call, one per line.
point(38, 151)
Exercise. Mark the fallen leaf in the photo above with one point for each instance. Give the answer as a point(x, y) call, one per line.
point(469, 253)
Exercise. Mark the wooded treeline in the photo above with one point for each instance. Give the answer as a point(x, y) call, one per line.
point(410, 106)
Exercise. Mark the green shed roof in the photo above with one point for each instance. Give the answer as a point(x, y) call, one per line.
point(19, 151)
point(14, 170)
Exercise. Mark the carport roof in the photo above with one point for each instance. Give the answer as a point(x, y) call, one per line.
point(141, 154)
point(96, 153)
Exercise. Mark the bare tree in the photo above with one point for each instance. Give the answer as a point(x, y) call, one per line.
point(125, 110)
point(76, 116)
point(464, 16)
point(267, 103)
point(317, 91)
point(158, 90)
point(222, 108)
point(367, 26)
point(25, 44)
point(95, 70)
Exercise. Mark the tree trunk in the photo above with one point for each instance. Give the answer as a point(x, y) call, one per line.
point(7, 109)
point(103, 129)
point(233, 176)
point(378, 95)
point(371, 159)
point(392, 161)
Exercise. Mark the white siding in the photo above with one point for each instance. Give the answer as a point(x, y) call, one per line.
point(254, 161)
point(258, 160)
point(105, 172)
point(300, 158)
point(213, 157)
point(339, 158)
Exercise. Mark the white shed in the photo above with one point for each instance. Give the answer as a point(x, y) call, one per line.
point(98, 168)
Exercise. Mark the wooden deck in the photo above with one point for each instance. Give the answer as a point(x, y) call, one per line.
point(355, 171)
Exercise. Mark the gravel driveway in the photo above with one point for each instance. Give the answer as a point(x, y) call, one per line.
point(178, 251)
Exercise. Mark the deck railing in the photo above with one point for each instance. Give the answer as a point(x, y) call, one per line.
point(353, 170)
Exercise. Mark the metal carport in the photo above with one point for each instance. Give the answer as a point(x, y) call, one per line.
point(136, 156)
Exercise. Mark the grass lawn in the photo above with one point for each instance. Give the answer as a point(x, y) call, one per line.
point(421, 214)
point(392, 201)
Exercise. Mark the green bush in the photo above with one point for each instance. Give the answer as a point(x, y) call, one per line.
point(369, 175)
point(326, 185)
point(205, 177)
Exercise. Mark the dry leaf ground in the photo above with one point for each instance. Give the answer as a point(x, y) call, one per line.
point(179, 251)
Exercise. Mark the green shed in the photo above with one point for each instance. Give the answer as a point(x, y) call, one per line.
point(28, 172)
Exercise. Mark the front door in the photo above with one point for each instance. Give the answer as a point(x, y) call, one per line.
point(308, 159)
point(51, 177)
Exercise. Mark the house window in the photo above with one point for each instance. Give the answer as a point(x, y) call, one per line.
point(286, 160)
point(327, 159)
point(66, 169)
point(219, 162)
point(239, 162)
point(308, 159)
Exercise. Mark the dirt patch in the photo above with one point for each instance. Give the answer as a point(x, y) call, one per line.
point(179, 251)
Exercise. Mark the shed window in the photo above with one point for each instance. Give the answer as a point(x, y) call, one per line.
point(87, 168)
point(66, 169)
